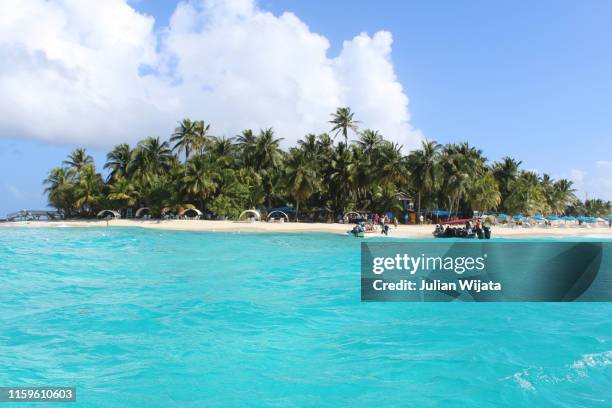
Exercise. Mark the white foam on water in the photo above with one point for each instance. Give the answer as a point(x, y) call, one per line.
point(523, 382)
point(528, 378)
point(590, 361)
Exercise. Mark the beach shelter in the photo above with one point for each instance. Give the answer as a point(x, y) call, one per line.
point(253, 215)
point(569, 218)
point(191, 212)
point(539, 217)
point(502, 216)
point(109, 214)
point(141, 212)
point(609, 218)
point(518, 217)
point(279, 215)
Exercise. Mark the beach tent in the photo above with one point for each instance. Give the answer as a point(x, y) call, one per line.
point(109, 214)
point(191, 212)
point(140, 212)
point(278, 213)
point(254, 215)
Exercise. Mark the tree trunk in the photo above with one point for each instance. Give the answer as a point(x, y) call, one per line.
point(419, 205)
point(297, 210)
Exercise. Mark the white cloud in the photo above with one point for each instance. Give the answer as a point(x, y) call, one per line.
point(595, 183)
point(96, 73)
point(577, 176)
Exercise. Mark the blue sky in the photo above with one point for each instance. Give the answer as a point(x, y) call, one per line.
point(525, 79)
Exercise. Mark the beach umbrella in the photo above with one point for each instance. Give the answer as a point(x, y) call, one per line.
point(609, 218)
point(502, 216)
point(553, 218)
point(568, 218)
point(518, 217)
point(539, 217)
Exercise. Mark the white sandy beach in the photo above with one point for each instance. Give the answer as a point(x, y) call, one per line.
point(403, 231)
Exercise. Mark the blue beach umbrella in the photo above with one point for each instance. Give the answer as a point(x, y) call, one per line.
point(569, 218)
point(504, 216)
point(441, 213)
point(539, 217)
point(518, 217)
point(553, 218)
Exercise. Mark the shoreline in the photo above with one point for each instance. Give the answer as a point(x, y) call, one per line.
point(403, 231)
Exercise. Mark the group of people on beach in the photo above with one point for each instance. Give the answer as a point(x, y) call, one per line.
point(467, 231)
point(371, 222)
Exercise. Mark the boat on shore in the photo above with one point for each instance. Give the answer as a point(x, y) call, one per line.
point(466, 232)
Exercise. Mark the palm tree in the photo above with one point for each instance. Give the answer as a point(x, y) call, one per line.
point(369, 139)
point(203, 138)
point(309, 147)
point(246, 142)
point(200, 179)
point(484, 194)
point(77, 160)
point(597, 208)
point(88, 188)
point(122, 190)
point(151, 158)
point(393, 168)
point(343, 121)
point(340, 177)
point(460, 164)
point(527, 195)
point(506, 171)
point(300, 177)
point(183, 137)
point(60, 190)
point(56, 178)
point(267, 158)
point(118, 160)
point(222, 150)
point(423, 165)
point(563, 195)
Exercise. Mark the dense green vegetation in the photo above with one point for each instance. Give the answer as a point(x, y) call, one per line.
point(223, 176)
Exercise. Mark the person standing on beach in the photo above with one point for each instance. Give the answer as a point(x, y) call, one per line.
point(421, 219)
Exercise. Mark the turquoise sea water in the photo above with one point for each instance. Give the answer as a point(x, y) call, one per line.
point(141, 318)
